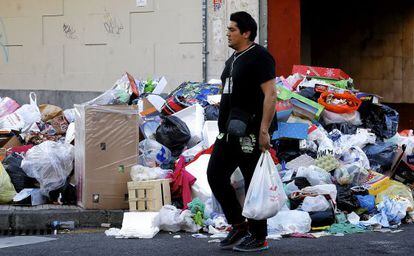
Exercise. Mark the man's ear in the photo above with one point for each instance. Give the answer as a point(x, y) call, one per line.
point(247, 34)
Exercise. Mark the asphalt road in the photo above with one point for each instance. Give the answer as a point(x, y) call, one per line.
point(371, 243)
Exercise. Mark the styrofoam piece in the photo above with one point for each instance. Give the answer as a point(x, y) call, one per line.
point(300, 161)
point(198, 169)
point(162, 83)
point(193, 117)
point(139, 225)
point(156, 101)
point(210, 132)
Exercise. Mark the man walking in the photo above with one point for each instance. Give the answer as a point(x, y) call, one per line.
point(247, 109)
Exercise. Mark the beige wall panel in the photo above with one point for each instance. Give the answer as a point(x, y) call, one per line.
point(190, 25)
point(47, 60)
point(95, 32)
point(63, 30)
point(153, 27)
point(87, 45)
point(84, 59)
point(178, 59)
point(137, 59)
point(15, 63)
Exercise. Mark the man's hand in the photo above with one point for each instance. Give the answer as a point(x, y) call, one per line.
point(264, 141)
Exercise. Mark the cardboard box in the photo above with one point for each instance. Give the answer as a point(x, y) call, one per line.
point(330, 73)
point(376, 183)
point(7, 143)
point(149, 195)
point(106, 148)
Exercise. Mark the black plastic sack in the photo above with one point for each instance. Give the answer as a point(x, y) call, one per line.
point(18, 177)
point(287, 150)
point(344, 128)
point(174, 134)
point(381, 119)
point(381, 155)
point(345, 199)
point(65, 195)
point(322, 218)
point(211, 112)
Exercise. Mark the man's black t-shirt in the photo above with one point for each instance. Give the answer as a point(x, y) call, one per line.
point(242, 77)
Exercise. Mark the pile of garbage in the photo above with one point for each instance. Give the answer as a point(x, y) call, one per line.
point(344, 166)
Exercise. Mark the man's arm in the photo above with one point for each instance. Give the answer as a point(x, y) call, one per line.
point(269, 103)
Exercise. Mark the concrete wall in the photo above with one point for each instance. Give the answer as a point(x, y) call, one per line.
point(77, 45)
point(218, 19)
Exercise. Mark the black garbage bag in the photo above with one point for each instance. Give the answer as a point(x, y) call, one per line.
point(344, 128)
point(174, 134)
point(381, 155)
point(211, 112)
point(381, 119)
point(18, 177)
point(65, 195)
point(322, 218)
point(345, 199)
point(287, 150)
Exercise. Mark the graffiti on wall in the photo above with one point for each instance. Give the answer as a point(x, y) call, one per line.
point(3, 41)
point(112, 24)
point(217, 5)
point(69, 31)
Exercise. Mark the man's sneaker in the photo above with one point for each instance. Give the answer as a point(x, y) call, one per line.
point(251, 244)
point(235, 235)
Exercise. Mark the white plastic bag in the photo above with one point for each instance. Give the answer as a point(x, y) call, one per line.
point(50, 163)
point(141, 173)
point(153, 153)
point(315, 175)
point(288, 222)
point(265, 196)
point(325, 189)
point(334, 118)
point(24, 117)
point(315, 204)
point(169, 219)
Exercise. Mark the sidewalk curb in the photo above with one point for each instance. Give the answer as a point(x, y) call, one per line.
point(41, 219)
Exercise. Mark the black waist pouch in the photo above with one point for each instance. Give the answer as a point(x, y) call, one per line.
point(238, 122)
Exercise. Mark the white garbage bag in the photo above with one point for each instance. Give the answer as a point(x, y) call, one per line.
point(265, 196)
point(315, 175)
point(50, 163)
point(289, 222)
point(315, 204)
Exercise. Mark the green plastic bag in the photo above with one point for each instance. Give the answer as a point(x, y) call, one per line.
point(7, 191)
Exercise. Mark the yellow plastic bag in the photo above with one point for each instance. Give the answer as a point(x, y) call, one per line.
point(399, 192)
point(7, 191)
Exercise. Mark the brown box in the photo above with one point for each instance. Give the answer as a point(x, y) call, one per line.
point(149, 196)
point(106, 148)
point(7, 143)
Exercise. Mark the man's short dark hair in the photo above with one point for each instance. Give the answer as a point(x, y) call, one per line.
point(245, 22)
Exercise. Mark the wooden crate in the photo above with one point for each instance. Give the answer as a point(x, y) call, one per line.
point(148, 196)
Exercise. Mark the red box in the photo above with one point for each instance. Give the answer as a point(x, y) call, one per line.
point(330, 73)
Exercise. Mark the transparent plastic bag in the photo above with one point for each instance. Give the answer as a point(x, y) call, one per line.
point(265, 195)
point(315, 204)
point(50, 163)
point(315, 175)
point(110, 97)
point(7, 106)
point(288, 222)
point(141, 173)
point(154, 151)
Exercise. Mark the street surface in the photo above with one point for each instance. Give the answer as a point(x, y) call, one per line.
point(96, 243)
